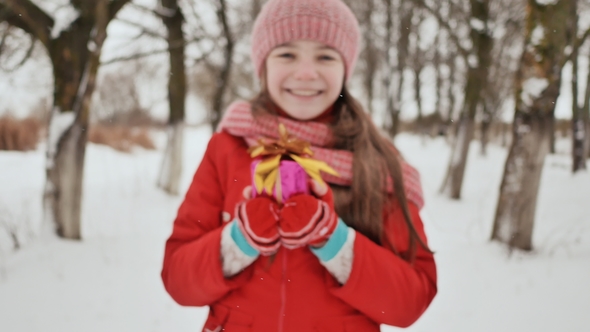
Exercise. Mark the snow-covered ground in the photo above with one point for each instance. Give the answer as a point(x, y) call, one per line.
point(110, 281)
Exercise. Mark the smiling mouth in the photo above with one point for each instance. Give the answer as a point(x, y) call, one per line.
point(304, 93)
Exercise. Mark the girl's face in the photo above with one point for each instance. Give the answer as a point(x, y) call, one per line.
point(304, 78)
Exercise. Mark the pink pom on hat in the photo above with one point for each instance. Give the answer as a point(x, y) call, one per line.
point(330, 22)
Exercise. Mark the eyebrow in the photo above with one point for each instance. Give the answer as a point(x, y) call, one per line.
point(323, 47)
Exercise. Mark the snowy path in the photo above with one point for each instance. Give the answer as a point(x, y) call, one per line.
point(110, 282)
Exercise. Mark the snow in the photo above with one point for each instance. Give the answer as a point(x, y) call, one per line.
point(472, 61)
point(64, 17)
point(538, 35)
point(59, 123)
point(477, 24)
point(110, 281)
point(532, 89)
point(547, 2)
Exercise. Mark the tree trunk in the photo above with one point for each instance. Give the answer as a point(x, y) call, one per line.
point(390, 66)
point(465, 132)
point(451, 96)
point(417, 65)
point(537, 88)
point(486, 123)
point(369, 54)
point(255, 9)
point(437, 61)
point(515, 213)
point(476, 81)
point(63, 188)
point(578, 144)
point(552, 136)
point(75, 57)
point(586, 118)
point(418, 97)
point(405, 27)
point(505, 134)
point(580, 125)
point(222, 83)
point(171, 170)
point(75, 70)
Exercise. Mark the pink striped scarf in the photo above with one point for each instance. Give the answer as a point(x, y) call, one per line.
point(239, 121)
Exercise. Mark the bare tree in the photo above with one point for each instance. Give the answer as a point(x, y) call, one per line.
point(477, 55)
point(224, 71)
point(369, 55)
point(394, 104)
point(580, 115)
point(171, 14)
point(437, 62)
point(13, 53)
point(389, 63)
point(578, 125)
point(478, 60)
point(500, 84)
point(549, 30)
point(417, 64)
point(586, 116)
point(74, 53)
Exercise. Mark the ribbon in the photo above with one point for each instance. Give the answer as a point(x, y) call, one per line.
point(271, 152)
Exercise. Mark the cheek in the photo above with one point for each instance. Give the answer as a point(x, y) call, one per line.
point(273, 81)
point(273, 89)
point(336, 77)
point(336, 81)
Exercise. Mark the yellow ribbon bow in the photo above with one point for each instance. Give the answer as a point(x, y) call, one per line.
point(267, 171)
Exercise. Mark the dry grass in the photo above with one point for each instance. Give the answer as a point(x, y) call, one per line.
point(121, 138)
point(19, 134)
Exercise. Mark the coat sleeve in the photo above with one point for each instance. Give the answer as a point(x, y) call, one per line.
point(385, 287)
point(192, 271)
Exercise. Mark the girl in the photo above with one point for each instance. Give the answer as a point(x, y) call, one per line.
point(345, 257)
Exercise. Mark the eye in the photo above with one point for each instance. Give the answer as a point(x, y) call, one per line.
point(286, 55)
point(326, 57)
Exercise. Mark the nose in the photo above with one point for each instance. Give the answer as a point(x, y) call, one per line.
point(306, 71)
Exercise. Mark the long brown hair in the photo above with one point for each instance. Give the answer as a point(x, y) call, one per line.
point(375, 160)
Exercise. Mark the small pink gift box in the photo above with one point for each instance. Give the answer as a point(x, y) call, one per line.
point(292, 177)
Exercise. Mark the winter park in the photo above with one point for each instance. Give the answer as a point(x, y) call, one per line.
point(109, 107)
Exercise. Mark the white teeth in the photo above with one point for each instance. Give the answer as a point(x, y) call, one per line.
point(304, 93)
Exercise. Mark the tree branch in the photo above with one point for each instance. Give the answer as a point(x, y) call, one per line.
point(8, 16)
point(142, 8)
point(23, 60)
point(32, 19)
point(578, 42)
point(582, 39)
point(133, 57)
point(464, 52)
point(156, 52)
point(115, 7)
point(143, 29)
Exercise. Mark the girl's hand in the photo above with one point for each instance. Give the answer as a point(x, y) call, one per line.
point(257, 218)
point(308, 220)
point(320, 190)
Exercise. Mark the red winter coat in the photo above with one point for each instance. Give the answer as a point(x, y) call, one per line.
point(293, 292)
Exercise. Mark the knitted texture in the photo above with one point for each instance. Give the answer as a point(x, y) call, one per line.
point(329, 22)
point(239, 121)
point(340, 266)
point(233, 258)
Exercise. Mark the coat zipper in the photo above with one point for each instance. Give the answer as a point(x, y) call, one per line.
point(283, 293)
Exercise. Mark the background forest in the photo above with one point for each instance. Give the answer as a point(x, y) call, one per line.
point(106, 107)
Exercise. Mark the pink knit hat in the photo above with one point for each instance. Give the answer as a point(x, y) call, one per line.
point(330, 22)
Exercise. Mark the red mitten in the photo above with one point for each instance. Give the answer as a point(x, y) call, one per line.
point(258, 219)
point(307, 220)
